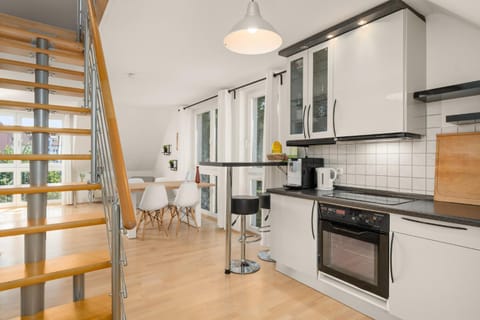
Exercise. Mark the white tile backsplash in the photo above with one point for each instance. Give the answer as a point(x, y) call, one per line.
point(381, 170)
point(405, 159)
point(406, 165)
point(381, 158)
point(405, 171)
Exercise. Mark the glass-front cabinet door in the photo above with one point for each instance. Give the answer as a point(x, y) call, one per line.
point(310, 93)
point(297, 102)
point(320, 104)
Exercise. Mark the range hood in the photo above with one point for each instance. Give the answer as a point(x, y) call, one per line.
point(325, 141)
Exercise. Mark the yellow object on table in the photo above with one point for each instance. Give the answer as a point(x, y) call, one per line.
point(276, 147)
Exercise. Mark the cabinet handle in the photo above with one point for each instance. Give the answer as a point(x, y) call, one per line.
point(434, 224)
point(303, 121)
point(333, 115)
point(391, 256)
point(311, 220)
point(308, 121)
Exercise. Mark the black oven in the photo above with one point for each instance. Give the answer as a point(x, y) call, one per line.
point(353, 247)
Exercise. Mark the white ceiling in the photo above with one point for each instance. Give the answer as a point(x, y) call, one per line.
point(175, 49)
point(41, 10)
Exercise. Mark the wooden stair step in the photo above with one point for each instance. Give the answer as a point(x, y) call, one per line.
point(45, 157)
point(9, 104)
point(26, 50)
point(38, 272)
point(96, 308)
point(29, 129)
point(67, 221)
point(30, 37)
point(25, 67)
point(51, 187)
point(27, 85)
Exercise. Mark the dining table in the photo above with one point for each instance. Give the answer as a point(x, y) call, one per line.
point(137, 188)
point(228, 199)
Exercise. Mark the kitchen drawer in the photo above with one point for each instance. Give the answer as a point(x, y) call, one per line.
point(457, 234)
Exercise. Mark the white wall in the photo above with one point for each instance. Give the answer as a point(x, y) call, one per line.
point(180, 123)
point(141, 132)
point(453, 51)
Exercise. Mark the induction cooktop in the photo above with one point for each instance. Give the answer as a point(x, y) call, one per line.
point(380, 199)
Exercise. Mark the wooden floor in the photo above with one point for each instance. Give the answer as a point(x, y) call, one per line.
point(177, 277)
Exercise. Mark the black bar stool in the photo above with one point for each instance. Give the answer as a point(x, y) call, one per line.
point(265, 204)
point(243, 206)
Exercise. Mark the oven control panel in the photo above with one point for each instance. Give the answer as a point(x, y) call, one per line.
point(370, 219)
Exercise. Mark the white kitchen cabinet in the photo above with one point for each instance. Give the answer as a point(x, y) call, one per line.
point(310, 93)
point(433, 279)
point(294, 233)
point(377, 67)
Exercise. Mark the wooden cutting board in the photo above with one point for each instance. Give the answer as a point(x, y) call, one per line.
point(457, 170)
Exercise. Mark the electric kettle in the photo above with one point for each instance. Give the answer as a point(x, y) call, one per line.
point(325, 178)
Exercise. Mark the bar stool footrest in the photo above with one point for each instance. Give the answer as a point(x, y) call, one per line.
point(247, 267)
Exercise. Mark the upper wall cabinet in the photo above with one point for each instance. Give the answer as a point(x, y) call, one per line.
point(310, 93)
point(376, 70)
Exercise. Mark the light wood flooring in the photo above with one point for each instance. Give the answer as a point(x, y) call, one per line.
point(177, 277)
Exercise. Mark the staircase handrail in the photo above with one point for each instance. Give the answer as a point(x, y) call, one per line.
point(126, 206)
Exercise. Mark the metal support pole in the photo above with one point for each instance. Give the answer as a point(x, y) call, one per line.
point(116, 267)
point(79, 287)
point(93, 110)
point(243, 239)
point(33, 297)
point(228, 223)
point(79, 19)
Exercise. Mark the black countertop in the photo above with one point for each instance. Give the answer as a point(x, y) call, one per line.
point(244, 164)
point(422, 206)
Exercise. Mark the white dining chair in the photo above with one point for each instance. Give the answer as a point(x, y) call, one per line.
point(171, 193)
point(152, 206)
point(187, 198)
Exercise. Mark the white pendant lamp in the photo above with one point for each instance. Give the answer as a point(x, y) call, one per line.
point(252, 35)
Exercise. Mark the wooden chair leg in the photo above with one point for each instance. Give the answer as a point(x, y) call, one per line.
point(188, 218)
point(172, 215)
point(142, 219)
point(160, 221)
point(178, 220)
point(192, 213)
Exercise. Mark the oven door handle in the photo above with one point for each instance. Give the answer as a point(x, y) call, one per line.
point(391, 257)
point(355, 233)
point(311, 220)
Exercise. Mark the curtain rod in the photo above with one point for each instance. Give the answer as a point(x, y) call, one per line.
point(236, 88)
point(201, 101)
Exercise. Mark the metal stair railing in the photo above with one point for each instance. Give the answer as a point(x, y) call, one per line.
point(105, 156)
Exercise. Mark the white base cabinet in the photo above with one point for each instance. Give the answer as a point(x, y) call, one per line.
point(294, 233)
point(433, 279)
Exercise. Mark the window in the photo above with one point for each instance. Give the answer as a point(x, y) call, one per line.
point(255, 175)
point(258, 123)
point(16, 172)
point(206, 122)
point(256, 188)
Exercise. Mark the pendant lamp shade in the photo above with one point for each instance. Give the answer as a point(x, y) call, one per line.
point(252, 35)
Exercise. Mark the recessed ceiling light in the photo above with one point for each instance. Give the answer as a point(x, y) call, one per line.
point(362, 22)
point(330, 36)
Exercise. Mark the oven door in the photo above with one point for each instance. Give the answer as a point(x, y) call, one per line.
point(354, 255)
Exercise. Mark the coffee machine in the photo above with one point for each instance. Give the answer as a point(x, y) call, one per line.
point(301, 172)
